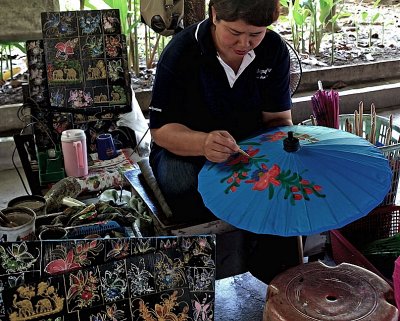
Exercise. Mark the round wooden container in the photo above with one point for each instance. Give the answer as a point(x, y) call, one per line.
point(315, 291)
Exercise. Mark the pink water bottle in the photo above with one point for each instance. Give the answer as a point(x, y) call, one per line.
point(73, 143)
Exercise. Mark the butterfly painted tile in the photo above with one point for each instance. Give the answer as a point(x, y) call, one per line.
point(89, 22)
point(59, 24)
point(111, 22)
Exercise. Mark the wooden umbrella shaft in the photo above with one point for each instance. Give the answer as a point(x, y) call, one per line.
point(300, 248)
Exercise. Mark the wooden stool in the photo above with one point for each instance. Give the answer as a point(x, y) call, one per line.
point(315, 291)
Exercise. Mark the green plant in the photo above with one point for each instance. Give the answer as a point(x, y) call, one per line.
point(333, 22)
point(320, 11)
point(6, 51)
point(133, 23)
point(297, 16)
point(370, 17)
point(312, 15)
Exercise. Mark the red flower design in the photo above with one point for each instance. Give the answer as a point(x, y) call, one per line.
point(239, 158)
point(276, 136)
point(297, 197)
point(308, 190)
point(62, 265)
point(269, 177)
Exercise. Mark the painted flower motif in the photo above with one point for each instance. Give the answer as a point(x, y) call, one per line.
point(120, 249)
point(274, 137)
point(186, 243)
point(75, 258)
point(113, 284)
point(16, 258)
point(266, 177)
point(239, 158)
point(254, 170)
point(169, 244)
point(169, 273)
point(83, 288)
point(281, 135)
point(140, 279)
point(170, 309)
point(203, 243)
point(62, 265)
point(114, 314)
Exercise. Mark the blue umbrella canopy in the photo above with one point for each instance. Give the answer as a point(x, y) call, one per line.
point(298, 180)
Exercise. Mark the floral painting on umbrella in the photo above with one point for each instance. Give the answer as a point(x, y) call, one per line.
point(258, 171)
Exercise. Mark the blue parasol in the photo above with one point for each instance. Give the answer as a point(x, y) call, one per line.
point(299, 180)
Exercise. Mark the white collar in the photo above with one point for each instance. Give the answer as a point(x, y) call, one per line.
point(250, 56)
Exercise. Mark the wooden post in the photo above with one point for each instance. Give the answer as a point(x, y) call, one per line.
point(195, 11)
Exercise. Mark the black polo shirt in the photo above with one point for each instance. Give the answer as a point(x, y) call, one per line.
point(191, 86)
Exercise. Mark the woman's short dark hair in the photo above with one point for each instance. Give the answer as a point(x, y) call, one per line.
point(254, 12)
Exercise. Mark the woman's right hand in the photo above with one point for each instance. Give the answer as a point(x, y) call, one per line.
point(219, 145)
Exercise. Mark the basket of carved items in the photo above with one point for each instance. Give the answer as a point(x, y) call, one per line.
point(386, 138)
point(349, 243)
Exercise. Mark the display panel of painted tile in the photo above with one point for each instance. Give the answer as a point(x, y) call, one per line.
point(169, 277)
point(47, 112)
point(86, 61)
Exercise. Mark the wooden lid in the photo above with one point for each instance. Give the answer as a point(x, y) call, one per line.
point(315, 291)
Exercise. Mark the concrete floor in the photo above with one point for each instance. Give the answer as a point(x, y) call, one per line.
point(238, 298)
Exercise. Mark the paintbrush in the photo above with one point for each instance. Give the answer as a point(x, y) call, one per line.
point(4, 219)
point(241, 151)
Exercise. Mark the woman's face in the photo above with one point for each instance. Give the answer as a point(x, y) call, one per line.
point(235, 39)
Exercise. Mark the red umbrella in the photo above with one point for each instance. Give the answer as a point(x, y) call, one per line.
point(325, 107)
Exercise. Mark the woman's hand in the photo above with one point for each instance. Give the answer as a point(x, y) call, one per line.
point(216, 146)
point(219, 145)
